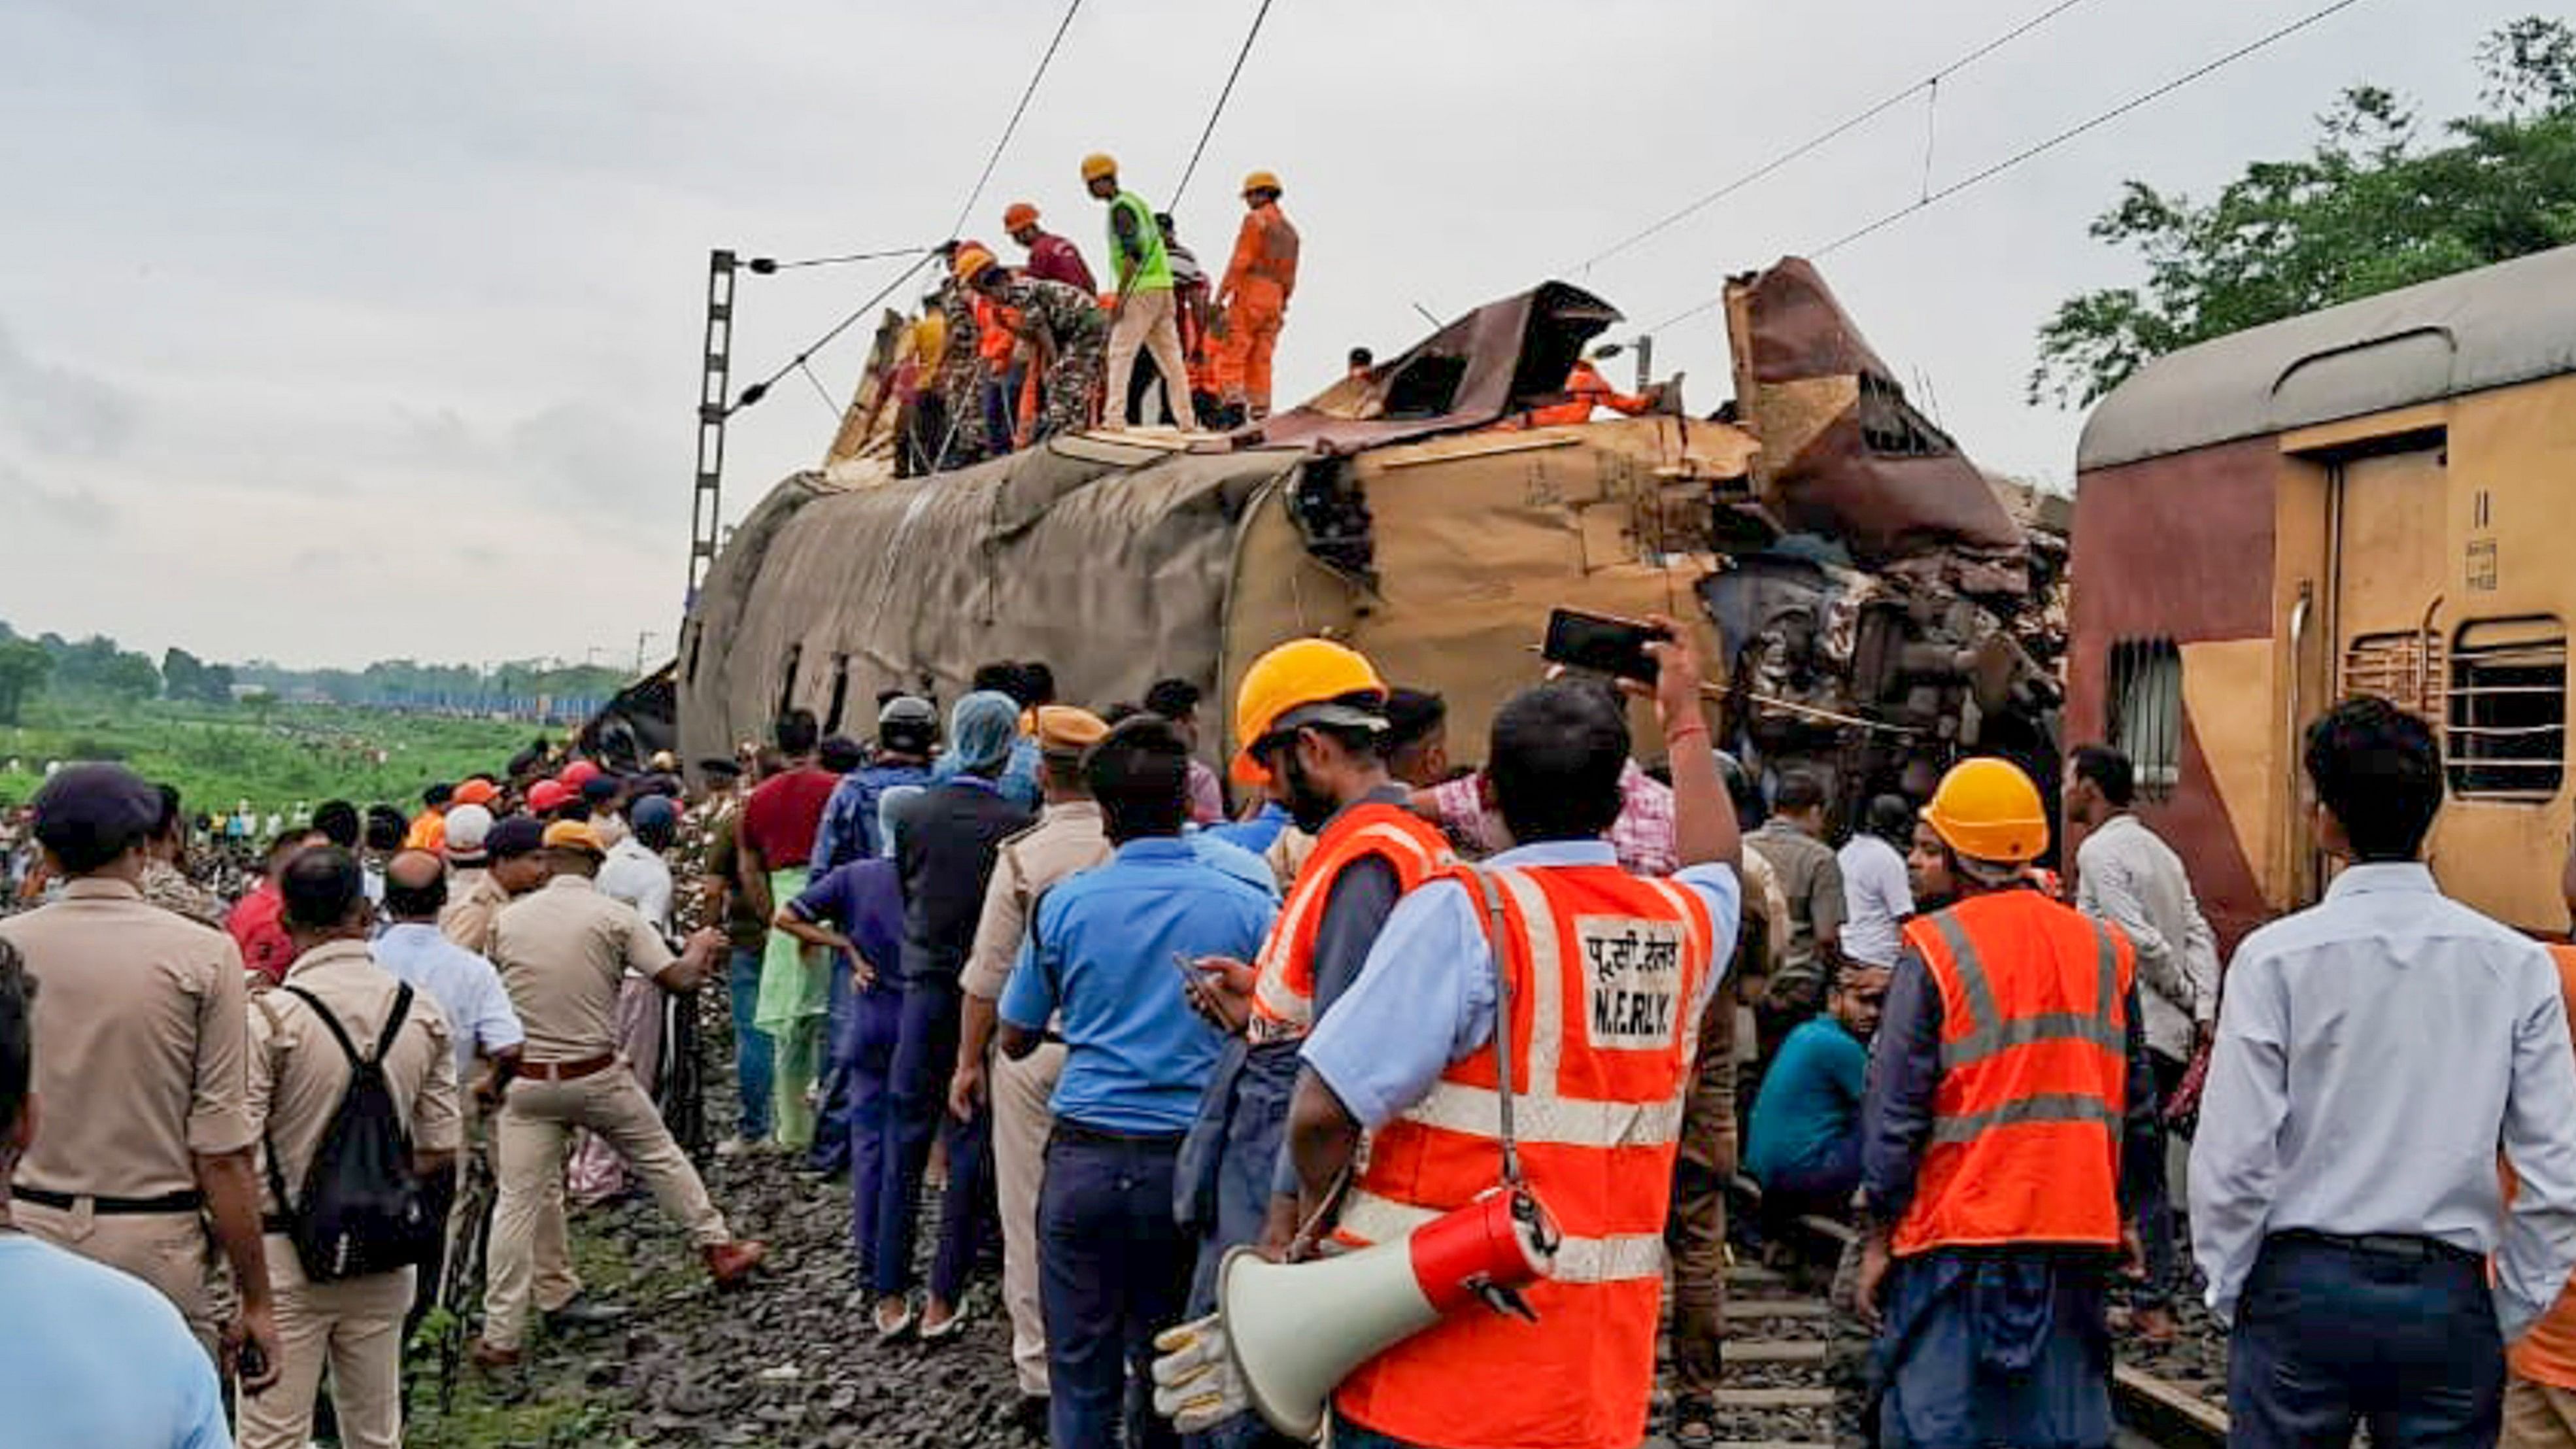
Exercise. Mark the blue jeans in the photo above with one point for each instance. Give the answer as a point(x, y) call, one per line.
point(1822, 1186)
point(1113, 1271)
point(751, 1050)
point(925, 1056)
point(865, 1048)
point(1348, 1435)
point(2328, 1336)
point(831, 1154)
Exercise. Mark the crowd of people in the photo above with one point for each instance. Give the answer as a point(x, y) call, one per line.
point(1033, 952)
point(1002, 357)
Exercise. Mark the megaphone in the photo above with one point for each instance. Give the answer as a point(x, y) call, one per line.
point(1295, 1330)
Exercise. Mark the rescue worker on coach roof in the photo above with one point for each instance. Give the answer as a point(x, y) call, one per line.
point(1140, 271)
point(145, 1026)
point(1310, 718)
point(1067, 327)
point(1252, 298)
point(1615, 971)
point(1052, 258)
point(2009, 1111)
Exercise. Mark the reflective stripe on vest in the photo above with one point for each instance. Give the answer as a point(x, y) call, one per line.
point(1283, 1006)
point(1993, 1034)
point(1618, 1258)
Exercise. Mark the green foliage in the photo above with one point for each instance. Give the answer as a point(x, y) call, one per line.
point(2370, 209)
point(24, 667)
point(272, 756)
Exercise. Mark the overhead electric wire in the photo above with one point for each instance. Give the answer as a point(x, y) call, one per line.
point(764, 266)
point(2032, 152)
point(1222, 97)
point(760, 389)
point(1831, 133)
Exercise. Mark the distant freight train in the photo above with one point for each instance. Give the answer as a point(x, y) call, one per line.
point(2379, 497)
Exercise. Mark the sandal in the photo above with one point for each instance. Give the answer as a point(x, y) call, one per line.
point(890, 1329)
point(1694, 1423)
point(947, 1328)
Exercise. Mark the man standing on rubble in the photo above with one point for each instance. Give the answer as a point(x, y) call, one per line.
point(1252, 299)
point(1147, 317)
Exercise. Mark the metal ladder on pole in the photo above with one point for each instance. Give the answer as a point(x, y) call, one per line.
point(706, 514)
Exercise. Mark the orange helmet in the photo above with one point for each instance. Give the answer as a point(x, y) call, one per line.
point(972, 262)
point(1097, 165)
point(1019, 215)
point(1302, 682)
point(1988, 810)
point(1261, 181)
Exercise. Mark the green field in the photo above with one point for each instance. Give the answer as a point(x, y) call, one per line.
point(273, 759)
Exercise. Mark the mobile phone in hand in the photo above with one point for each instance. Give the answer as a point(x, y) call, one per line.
point(1602, 643)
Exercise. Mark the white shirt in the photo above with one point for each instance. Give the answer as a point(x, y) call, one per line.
point(2126, 875)
point(635, 874)
point(1876, 896)
point(2373, 1052)
point(465, 986)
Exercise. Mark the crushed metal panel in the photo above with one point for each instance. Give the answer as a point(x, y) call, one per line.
point(1844, 453)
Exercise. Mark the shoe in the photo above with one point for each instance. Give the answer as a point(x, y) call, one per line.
point(730, 1263)
point(1694, 1422)
point(585, 1311)
point(890, 1329)
point(2154, 1325)
point(1029, 1416)
point(946, 1328)
point(488, 1356)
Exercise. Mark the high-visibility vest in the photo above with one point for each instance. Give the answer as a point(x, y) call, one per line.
point(1606, 971)
point(1283, 994)
point(1265, 256)
point(1153, 266)
point(2026, 1120)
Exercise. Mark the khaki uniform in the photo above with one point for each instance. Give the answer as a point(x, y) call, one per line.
point(297, 1076)
point(142, 1014)
point(562, 952)
point(474, 902)
point(1068, 837)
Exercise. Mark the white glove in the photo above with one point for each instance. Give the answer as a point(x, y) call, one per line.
point(1195, 1385)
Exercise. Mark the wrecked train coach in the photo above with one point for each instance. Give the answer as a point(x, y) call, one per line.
point(1883, 611)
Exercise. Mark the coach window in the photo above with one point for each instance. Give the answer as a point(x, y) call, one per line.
point(2507, 717)
point(787, 681)
point(2145, 711)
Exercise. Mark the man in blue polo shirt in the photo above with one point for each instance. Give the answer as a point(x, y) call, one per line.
point(1108, 952)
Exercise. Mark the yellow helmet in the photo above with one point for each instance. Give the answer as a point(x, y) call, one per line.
point(1097, 165)
point(1302, 682)
point(1262, 181)
point(971, 262)
point(1987, 809)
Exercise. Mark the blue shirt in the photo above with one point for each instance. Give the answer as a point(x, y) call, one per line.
point(1257, 834)
point(1810, 1100)
point(1425, 995)
point(1102, 954)
point(850, 829)
point(1244, 865)
point(1019, 779)
point(466, 987)
point(864, 899)
point(112, 1364)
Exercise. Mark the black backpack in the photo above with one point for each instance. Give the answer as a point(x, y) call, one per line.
point(362, 1210)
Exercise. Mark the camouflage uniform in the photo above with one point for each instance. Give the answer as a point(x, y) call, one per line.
point(1074, 329)
point(959, 382)
point(168, 887)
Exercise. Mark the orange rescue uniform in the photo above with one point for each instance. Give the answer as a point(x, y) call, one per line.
point(1283, 993)
point(2547, 1354)
point(1254, 294)
point(1589, 389)
point(1606, 972)
point(2027, 1119)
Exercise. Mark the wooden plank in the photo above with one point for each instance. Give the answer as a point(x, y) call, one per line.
point(1774, 1350)
point(1752, 1273)
point(1776, 1308)
point(1775, 1398)
point(2171, 1414)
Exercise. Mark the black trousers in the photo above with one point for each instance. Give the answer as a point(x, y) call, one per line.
point(2329, 1336)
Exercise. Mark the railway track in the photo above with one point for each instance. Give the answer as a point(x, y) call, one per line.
point(1793, 1368)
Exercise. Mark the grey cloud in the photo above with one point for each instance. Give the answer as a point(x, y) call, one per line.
point(60, 411)
point(72, 508)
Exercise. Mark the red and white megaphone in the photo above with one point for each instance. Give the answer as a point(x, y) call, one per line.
point(1295, 1330)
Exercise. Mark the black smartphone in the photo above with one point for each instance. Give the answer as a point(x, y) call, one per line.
point(1602, 643)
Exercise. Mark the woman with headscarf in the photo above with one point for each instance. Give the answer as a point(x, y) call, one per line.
point(944, 839)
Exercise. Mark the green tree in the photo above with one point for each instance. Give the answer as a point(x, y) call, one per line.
point(23, 667)
point(2369, 209)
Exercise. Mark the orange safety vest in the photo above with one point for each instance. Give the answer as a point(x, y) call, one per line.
point(1283, 996)
point(1265, 257)
point(1606, 971)
point(2026, 1121)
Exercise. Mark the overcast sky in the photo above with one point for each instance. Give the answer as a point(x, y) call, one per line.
point(336, 331)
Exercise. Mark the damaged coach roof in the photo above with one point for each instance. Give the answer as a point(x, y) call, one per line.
point(2496, 326)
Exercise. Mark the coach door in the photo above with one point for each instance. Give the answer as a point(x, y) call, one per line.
point(2391, 527)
